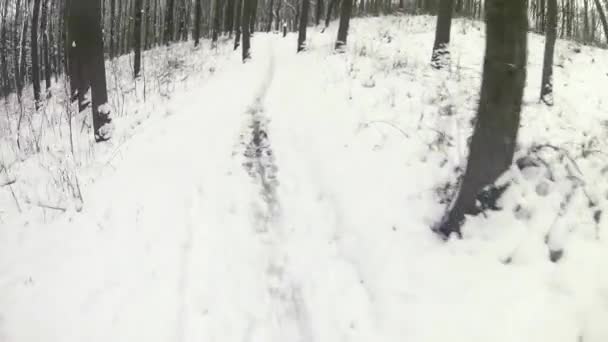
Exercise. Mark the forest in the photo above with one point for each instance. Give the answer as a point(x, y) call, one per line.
point(303, 170)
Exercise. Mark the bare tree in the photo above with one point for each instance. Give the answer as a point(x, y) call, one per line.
point(216, 21)
point(84, 29)
point(245, 28)
point(169, 21)
point(546, 89)
point(45, 45)
point(34, 53)
point(239, 22)
point(441, 52)
point(318, 12)
point(494, 137)
point(137, 38)
point(303, 24)
point(6, 88)
point(603, 20)
point(229, 17)
point(197, 21)
point(347, 7)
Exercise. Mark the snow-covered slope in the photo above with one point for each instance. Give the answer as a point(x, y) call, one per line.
point(291, 199)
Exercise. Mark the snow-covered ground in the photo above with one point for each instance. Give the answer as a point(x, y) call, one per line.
point(291, 199)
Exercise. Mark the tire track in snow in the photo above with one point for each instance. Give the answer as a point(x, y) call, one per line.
point(184, 263)
point(289, 310)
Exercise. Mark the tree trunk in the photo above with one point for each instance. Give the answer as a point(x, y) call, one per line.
point(229, 17)
point(216, 21)
point(245, 27)
point(602, 14)
point(197, 21)
point(239, 23)
point(16, 40)
point(22, 52)
point(441, 52)
point(45, 45)
point(270, 16)
point(330, 8)
point(112, 29)
point(84, 25)
point(303, 24)
point(494, 137)
point(585, 21)
point(4, 52)
point(318, 12)
point(169, 22)
point(347, 7)
point(254, 13)
point(546, 89)
point(278, 16)
point(137, 37)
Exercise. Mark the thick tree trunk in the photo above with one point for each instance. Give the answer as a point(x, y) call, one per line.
point(347, 7)
point(441, 52)
point(84, 25)
point(169, 22)
point(277, 24)
point(602, 14)
point(229, 17)
point(197, 21)
point(270, 16)
point(318, 12)
point(330, 8)
point(303, 24)
point(22, 52)
point(137, 37)
point(239, 23)
point(546, 89)
point(216, 21)
point(504, 76)
point(245, 28)
point(112, 29)
point(254, 13)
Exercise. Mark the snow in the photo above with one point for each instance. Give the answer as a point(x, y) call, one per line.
point(291, 198)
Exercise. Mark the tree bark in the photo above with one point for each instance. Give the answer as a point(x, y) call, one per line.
point(45, 45)
point(4, 52)
point(270, 16)
point(546, 89)
point(318, 12)
point(303, 24)
point(16, 40)
point(602, 14)
point(229, 17)
point(169, 22)
point(585, 21)
point(330, 8)
point(137, 38)
point(22, 52)
point(441, 52)
point(197, 21)
point(254, 13)
point(216, 21)
point(84, 25)
point(112, 29)
point(239, 23)
point(245, 27)
point(494, 137)
point(347, 7)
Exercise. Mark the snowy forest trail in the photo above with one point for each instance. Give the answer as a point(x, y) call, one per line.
point(290, 199)
point(185, 232)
